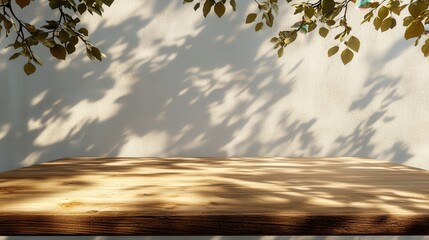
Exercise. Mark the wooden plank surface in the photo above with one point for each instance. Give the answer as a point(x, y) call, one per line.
point(214, 196)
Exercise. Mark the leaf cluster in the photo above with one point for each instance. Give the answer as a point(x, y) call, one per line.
point(59, 35)
point(330, 17)
point(218, 7)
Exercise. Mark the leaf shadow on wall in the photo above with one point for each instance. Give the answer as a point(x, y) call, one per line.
point(176, 95)
point(211, 94)
point(381, 91)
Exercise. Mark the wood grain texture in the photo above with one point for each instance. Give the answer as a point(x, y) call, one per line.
point(214, 196)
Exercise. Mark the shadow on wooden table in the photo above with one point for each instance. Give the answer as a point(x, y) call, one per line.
point(198, 195)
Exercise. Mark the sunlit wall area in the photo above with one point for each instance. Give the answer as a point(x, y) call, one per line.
point(176, 84)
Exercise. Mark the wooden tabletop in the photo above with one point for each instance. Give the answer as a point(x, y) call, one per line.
point(214, 196)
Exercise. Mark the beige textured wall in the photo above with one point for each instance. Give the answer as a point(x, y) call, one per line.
point(175, 84)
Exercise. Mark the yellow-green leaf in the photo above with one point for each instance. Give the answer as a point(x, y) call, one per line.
point(323, 32)
point(274, 40)
point(416, 8)
point(377, 23)
point(386, 24)
point(425, 49)
point(96, 53)
point(207, 7)
point(251, 17)
point(393, 23)
point(290, 38)
point(81, 8)
point(309, 12)
point(58, 51)
point(408, 20)
point(70, 48)
point(368, 17)
point(333, 50)
point(84, 31)
point(29, 68)
point(14, 56)
point(383, 12)
point(328, 7)
point(23, 3)
point(233, 5)
point(219, 9)
point(63, 36)
point(259, 26)
point(353, 43)
point(346, 56)
point(415, 29)
point(312, 26)
point(108, 2)
point(398, 10)
point(280, 52)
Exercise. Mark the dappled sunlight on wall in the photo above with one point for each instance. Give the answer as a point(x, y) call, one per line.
point(175, 84)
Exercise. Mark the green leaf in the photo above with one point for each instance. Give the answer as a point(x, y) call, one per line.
point(333, 50)
point(274, 40)
point(328, 7)
point(70, 48)
point(368, 17)
point(207, 7)
point(73, 40)
point(58, 51)
point(408, 20)
point(312, 26)
point(108, 2)
point(81, 8)
point(84, 31)
point(309, 12)
point(416, 8)
point(377, 23)
point(96, 53)
point(269, 19)
point(63, 36)
point(393, 23)
point(346, 56)
point(280, 52)
point(23, 3)
point(219, 9)
point(197, 5)
point(415, 29)
point(251, 17)
point(259, 26)
point(383, 12)
point(386, 24)
point(353, 43)
point(54, 4)
point(398, 10)
point(49, 43)
point(330, 22)
point(29, 68)
point(323, 32)
point(233, 5)
point(14, 56)
point(290, 38)
point(425, 49)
